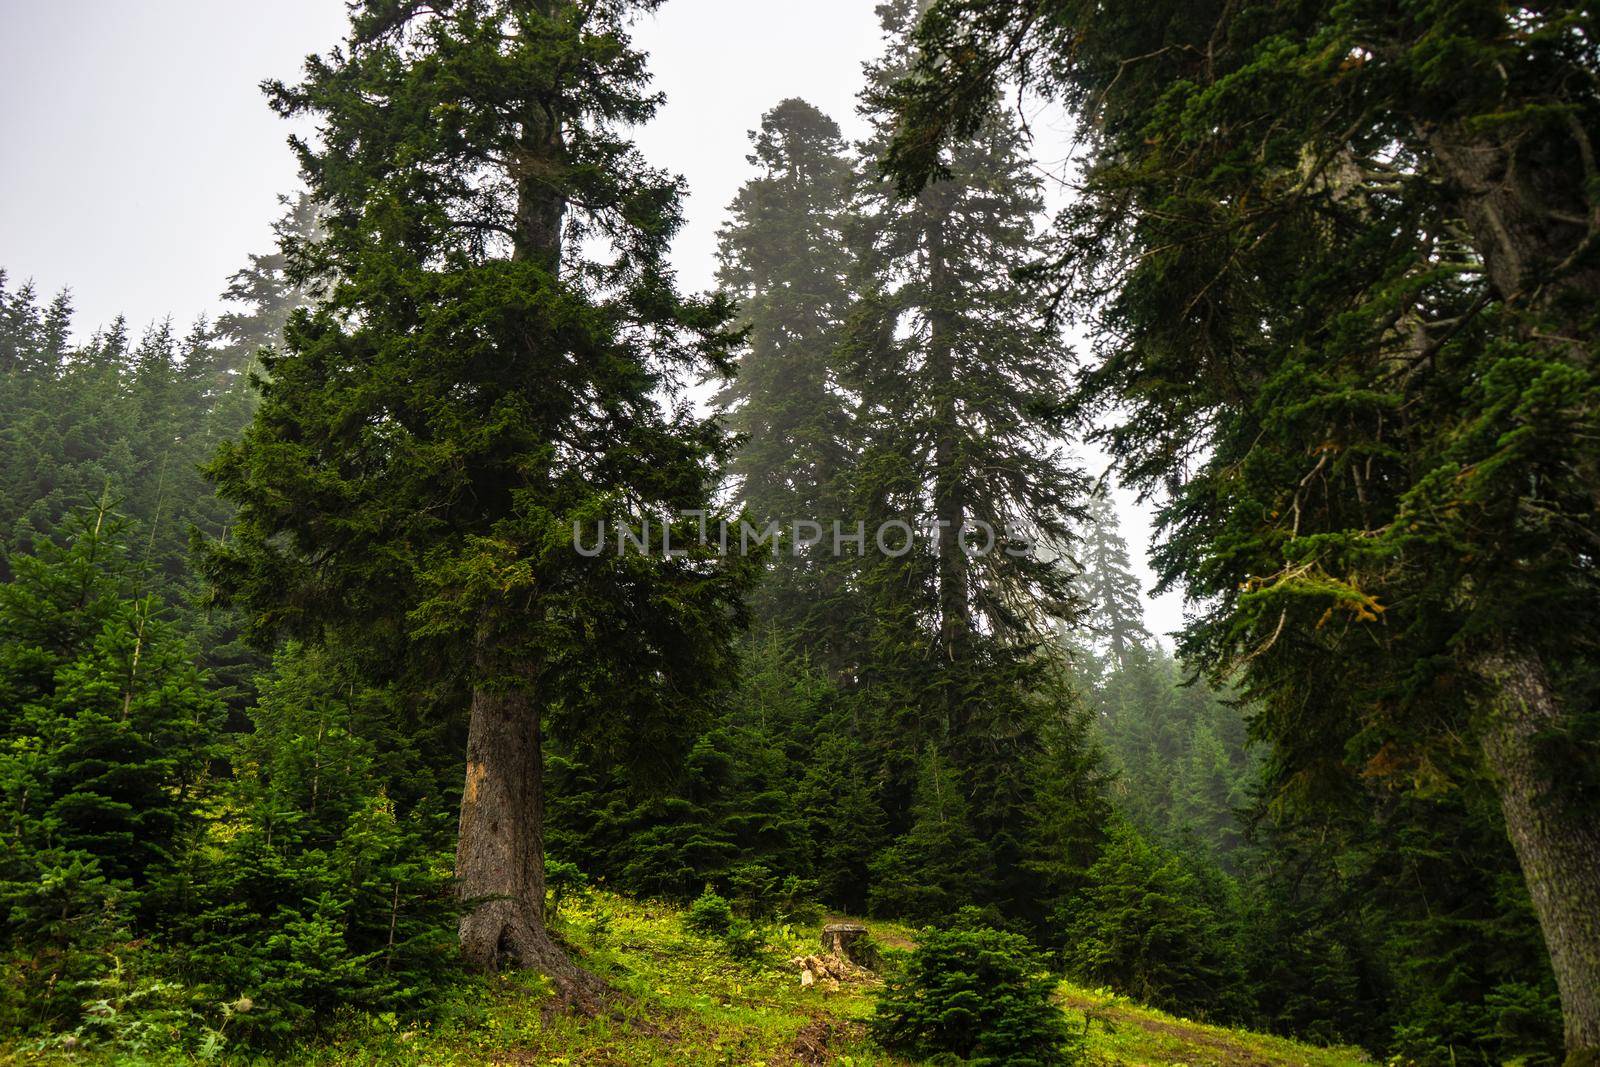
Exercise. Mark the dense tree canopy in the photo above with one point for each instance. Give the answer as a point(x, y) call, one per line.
point(1341, 264)
point(492, 368)
point(446, 486)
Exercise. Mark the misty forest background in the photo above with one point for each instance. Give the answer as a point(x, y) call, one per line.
point(271, 581)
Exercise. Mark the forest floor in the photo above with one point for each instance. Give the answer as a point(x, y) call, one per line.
point(687, 1001)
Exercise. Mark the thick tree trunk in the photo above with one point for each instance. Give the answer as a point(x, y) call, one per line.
point(949, 504)
point(1530, 218)
point(1557, 840)
point(500, 848)
point(1523, 195)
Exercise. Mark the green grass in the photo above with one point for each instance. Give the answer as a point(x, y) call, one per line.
point(1120, 1031)
point(687, 1002)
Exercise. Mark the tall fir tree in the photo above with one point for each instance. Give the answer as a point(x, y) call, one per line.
point(1113, 599)
point(1377, 403)
point(494, 365)
point(959, 423)
point(267, 292)
point(930, 872)
point(784, 257)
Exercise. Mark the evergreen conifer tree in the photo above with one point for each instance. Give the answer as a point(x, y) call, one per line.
point(267, 291)
point(959, 423)
point(135, 419)
point(784, 257)
point(104, 699)
point(321, 887)
point(106, 729)
point(929, 873)
point(1070, 810)
point(1376, 404)
point(1147, 924)
point(1114, 604)
point(493, 367)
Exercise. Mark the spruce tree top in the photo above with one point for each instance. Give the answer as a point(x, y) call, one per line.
point(498, 357)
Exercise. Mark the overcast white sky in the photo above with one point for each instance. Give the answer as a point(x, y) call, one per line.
point(141, 164)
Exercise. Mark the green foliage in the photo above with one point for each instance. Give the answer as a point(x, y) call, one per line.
point(140, 1016)
point(107, 719)
point(267, 292)
point(1178, 748)
point(106, 726)
point(758, 893)
point(844, 811)
point(975, 993)
point(710, 914)
point(563, 881)
point(1113, 600)
point(499, 361)
point(1514, 1023)
point(1343, 310)
point(63, 925)
point(784, 255)
point(957, 438)
point(317, 890)
point(1071, 807)
point(112, 416)
point(1152, 925)
point(1338, 267)
point(892, 361)
point(893, 371)
point(733, 812)
point(689, 1003)
point(484, 400)
point(1403, 923)
point(744, 940)
point(932, 871)
point(135, 421)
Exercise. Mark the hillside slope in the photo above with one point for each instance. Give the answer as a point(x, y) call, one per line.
point(689, 1001)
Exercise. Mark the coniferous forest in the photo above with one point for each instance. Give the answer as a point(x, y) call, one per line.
point(474, 646)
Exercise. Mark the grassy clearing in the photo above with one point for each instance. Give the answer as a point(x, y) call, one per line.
point(1123, 1032)
point(688, 1002)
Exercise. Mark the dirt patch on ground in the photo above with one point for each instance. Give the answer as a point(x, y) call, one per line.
point(817, 1042)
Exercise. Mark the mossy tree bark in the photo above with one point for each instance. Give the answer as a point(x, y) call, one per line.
point(1556, 839)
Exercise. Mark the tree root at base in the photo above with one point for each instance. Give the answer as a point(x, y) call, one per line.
point(496, 938)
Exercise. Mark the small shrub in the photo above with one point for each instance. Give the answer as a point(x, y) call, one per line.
point(753, 891)
point(142, 1016)
point(868, 953)
point(743, 940)
point(975, 993)
point(65, 922)
point(797, 899)
point(563, 881)
point(710, 915)
point(756, 893)
point(600, 927)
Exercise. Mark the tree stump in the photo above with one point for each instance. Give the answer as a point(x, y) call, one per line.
point(846, 941)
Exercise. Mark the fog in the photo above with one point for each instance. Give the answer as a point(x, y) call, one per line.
point(143, 164)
